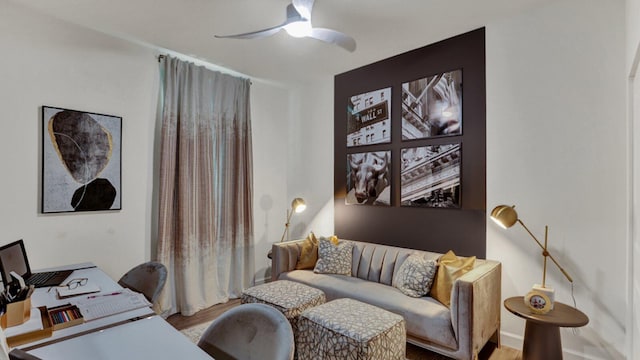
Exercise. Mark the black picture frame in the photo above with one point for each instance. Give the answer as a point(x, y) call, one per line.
point(369, 178)
point(369, 118)
point(81, 161)
point(431, 176)
point(432, 106)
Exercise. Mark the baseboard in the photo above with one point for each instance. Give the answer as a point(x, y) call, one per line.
point(515, 341)
point(262, 280)
point(511, 340)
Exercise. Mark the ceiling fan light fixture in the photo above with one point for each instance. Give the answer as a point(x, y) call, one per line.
point(298, 24)
point(298, 29)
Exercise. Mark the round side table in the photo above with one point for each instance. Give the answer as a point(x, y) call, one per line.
point(542, 331)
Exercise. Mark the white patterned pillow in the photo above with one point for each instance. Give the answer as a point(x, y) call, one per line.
point(334, 258)
point(415, 275)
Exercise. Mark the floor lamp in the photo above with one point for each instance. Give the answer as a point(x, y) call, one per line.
point(540, 298)
point(297, 206)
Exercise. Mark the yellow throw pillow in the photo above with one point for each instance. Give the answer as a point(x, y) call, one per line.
point(450, 268)
point(308, 253)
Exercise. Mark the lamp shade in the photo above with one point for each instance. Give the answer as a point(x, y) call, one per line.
point(298, 205)
point(504, 215)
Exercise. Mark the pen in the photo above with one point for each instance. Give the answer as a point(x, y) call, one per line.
point(113, 293)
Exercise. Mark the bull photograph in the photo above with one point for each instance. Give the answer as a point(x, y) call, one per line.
point(369, 178)
point(430, 176)
point(369, 118)
point(432, 106)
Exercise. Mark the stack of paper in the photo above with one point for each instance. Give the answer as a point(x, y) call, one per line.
point(64, 292)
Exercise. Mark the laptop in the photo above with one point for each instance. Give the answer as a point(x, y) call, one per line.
point(13, 257)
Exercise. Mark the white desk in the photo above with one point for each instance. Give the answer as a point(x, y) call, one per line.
point(149, 338)
point(132, 334)
point(48, 298)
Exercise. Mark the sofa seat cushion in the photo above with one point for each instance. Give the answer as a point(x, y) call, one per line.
point(425, 317)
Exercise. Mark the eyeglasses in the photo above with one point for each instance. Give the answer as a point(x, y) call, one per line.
point(74, 283)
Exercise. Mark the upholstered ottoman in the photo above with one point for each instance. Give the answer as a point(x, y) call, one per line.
point(349, 329)
point(290, 298)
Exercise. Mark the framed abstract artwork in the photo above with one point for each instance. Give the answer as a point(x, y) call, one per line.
point(432, 106)
point(369, 118)
point(81, 161)
point(430, 176)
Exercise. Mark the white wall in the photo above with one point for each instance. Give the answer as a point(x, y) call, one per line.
point(633, 32)
point(45, 62)
point(269, 120)
point(557, 148)
point(633, 57)
point(634, 283)
point(310, 172)
point(48, 62)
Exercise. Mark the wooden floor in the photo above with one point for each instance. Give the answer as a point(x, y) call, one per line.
point(490, 352)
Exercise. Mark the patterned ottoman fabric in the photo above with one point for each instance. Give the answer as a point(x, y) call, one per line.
point(350, 329)
point(290, 298)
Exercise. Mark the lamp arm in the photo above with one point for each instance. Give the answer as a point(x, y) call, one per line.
point(546, 252)
point(286, 225)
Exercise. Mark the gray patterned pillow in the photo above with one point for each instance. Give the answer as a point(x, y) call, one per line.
point(415, 275)
point(334, 259)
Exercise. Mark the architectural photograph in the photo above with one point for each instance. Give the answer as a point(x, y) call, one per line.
point(320, 179)
point(430, 176)
point(432, 106)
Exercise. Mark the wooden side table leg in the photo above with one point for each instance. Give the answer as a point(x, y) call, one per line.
point(541, 342)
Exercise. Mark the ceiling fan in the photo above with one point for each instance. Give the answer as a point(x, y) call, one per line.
point(298, 24)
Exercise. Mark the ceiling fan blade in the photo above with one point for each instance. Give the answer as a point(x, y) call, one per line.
point(304, 7)
point(292, 16)
point(254, 34)
point(334, 37)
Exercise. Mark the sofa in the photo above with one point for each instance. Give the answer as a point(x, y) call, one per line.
point(459, 332)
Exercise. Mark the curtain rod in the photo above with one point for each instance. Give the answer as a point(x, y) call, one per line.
point(160, 57)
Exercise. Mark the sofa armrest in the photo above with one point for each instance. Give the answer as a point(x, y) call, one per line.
point(475, 307)
point(284, 257)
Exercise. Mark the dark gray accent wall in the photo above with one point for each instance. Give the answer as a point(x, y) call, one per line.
point(462, 230)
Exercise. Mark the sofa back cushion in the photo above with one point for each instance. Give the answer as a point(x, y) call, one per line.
point(375, 262)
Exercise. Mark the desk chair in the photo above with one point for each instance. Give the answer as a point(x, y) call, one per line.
point(248, 332)
point(147, 278)
point(17, 354)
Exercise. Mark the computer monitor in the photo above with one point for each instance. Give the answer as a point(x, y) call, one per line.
point(13, 257)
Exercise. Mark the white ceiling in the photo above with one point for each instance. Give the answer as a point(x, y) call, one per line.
point(382, 28)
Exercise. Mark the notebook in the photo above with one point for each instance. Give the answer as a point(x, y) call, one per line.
point(13, 257)
point(65, 292)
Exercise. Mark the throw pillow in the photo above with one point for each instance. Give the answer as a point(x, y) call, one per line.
point(308, 253)
point(334, 259)
point(450, 268)
point(415, 275)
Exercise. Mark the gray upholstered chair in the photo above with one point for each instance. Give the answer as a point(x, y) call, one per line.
point(147, 278)
point(17, 354)
point(249, 332)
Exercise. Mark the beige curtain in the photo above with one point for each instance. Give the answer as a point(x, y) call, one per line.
point(205, 235)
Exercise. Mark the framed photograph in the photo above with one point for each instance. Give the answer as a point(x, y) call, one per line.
point(432, 106)
point(369, 118)
point(81, 161)
point(369, 178)
point(430, 176)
